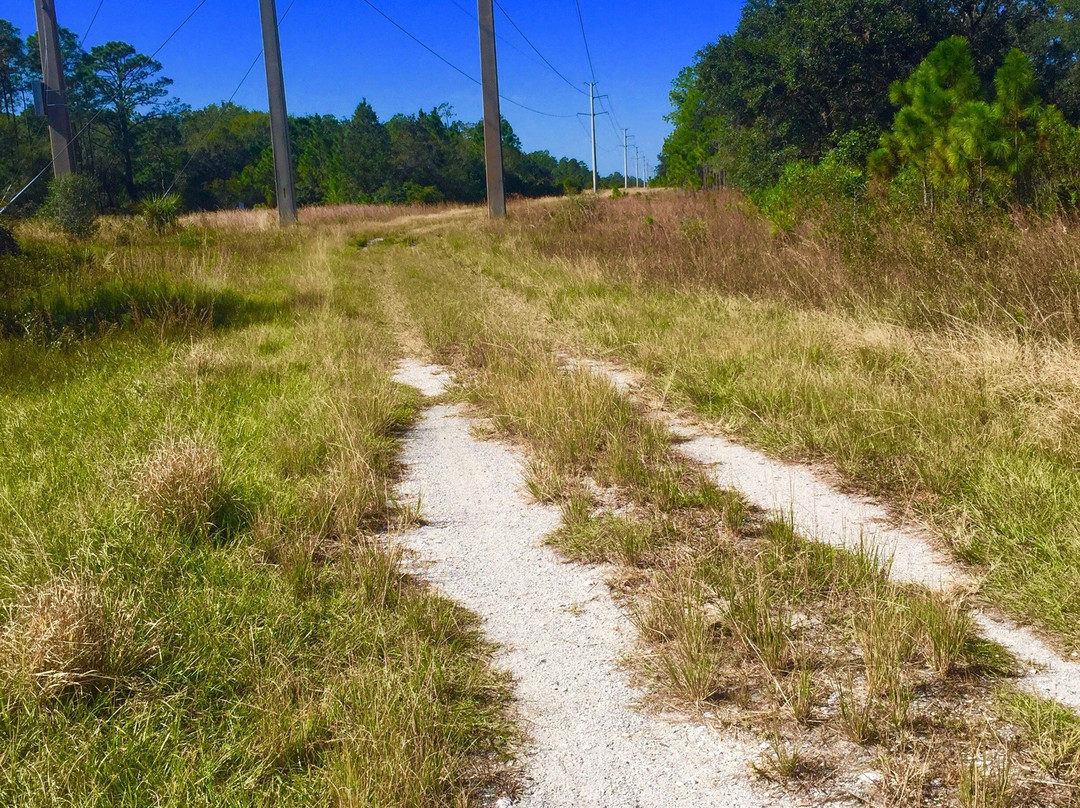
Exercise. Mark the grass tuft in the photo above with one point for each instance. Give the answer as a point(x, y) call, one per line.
point(781, 761)
point(1053, 730)
point(947, 630)
point(986, 779)
point(66, 636)
point(180, 485)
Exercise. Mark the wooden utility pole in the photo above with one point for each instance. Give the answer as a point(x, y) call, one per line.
point(592, 119)
point(625, 166)
point(54, 93)
point(279, 116)
point(489, 72)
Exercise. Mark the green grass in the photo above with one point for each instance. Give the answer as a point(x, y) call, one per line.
point(962, 430)
point(202, 497)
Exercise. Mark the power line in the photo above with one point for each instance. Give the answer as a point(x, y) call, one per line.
point(97, 114)
point(426, 47)
point(609, 108)
point(224, 105)
point(93, 19)
point(554, 69)
point(612, 119)
point(615, 118)
point(585, 39)
point(169, 38)
point(453, 66)
point(498, 36)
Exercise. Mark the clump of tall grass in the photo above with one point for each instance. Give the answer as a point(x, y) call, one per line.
point(986, 778)
point(673, 617)
point(67, 635)
point(1053, 730)
point(947, 630)
point(181, 484)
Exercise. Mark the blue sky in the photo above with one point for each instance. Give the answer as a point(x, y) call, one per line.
point(336, 52)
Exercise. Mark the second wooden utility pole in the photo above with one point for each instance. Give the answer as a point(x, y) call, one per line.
point(279, 116)
point(54, 93)
point(489, 73)
point(592, 120)
point(625, 167)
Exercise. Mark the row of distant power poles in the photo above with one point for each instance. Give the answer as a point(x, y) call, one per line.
point(51, 102)
point(625, 161)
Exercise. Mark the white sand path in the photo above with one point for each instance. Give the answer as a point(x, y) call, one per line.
point(561, 633)
point(820, 511)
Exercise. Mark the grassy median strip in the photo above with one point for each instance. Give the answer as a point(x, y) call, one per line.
point(841, 671)
point(198, 448)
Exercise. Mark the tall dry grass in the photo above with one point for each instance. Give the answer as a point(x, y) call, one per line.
point(68, 635)
point(1017, 274)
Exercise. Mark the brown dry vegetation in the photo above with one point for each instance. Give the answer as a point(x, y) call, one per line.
point(69, 635)
point(178, 485)
point(1023, 276)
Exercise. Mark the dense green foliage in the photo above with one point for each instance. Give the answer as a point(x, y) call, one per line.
point(138, 141)
point(72, 205)
point(1006, 149)
point(977, 103)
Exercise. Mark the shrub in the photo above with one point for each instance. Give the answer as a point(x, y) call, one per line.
point(416, 194)
point(832, 187)
point(72, 204)
point(8, 244)
point(160, 211)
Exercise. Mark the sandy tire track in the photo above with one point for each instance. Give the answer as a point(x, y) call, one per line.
point(561, 632)
point(821, 512)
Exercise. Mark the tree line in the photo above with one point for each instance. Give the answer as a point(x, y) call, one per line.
point(937, 101)
point(136, 140)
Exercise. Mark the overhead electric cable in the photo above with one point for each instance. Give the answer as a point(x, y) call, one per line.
point(169, 38)
point(498, 36)
point(609, 111)
point(221, 109)
point(429, 49)
point(78, 46)
point(93, 19)
point(585, 39)
point(528, 41)
point(453, 66)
